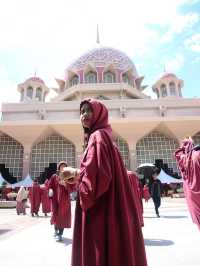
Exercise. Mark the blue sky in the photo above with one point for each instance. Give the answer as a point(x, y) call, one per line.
point(47, 36)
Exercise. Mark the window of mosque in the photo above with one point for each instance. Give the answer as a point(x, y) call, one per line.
point(74, 80)
point(124, 150)
point(163, 90)
point(109, 77)
point(29, 92)
point(126, 78)
point(172, 89)
point(51, 149)
point(39, 94)
point(157, 146)
point(22, 95)
point(91, 77)
point(11, 155)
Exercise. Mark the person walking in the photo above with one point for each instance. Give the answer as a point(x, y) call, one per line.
point(156, 191)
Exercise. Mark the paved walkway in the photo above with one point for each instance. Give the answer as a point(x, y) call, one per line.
point(170, 240)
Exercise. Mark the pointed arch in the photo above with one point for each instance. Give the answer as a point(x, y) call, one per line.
point(157, 146)
point(11, 158)
point(50, 150)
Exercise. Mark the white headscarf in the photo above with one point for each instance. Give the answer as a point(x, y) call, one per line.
point(22, 194)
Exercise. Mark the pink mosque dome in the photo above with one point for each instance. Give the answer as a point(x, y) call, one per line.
point(103, 57)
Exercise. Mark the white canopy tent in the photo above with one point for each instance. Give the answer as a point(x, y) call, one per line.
point(26, 182)
point(2, 180)
point(165, 178)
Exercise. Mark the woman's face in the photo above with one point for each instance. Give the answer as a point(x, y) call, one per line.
point(86, 114)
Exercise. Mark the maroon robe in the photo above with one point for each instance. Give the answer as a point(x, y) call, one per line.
point(45, 200)
point(35, 197)
point(189, 164)
point(134, 182)
point(107, 230)
point(61, 204)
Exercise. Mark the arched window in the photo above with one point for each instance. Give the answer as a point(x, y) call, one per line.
point(126, 78)
point(108, 77)
point(156, 146)
point(172, 89)
point(38, 94)
point(163, 90)
point(74, 81)
point(22, 95)
point(29, 92)
point(51, 150)
point(91, 77)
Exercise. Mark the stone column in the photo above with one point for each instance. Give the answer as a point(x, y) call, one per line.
point(100, 74)
point(26, 161)
point(132, 156)
point(81, 76)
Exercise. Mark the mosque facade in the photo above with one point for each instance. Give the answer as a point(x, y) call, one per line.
point(35, 134)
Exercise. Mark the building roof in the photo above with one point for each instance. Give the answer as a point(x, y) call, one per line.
point(104, 56)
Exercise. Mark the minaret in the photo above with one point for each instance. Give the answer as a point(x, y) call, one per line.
point(33, 89)
point(168, 85)
point(98, 38)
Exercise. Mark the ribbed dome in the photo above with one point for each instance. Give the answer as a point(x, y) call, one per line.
point(104, 56)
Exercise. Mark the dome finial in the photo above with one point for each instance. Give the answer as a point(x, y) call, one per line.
point(98, 39)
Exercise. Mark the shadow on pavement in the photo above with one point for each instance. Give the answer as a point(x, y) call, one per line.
point(174, 216)
point(4, 231)
point(66, 241)
point(158, 242)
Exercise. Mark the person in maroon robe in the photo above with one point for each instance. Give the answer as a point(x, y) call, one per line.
point(61, 204)
point(134, 182)
point(35, 197)
point(188, 159)
point(45, 200)
point(107, 229)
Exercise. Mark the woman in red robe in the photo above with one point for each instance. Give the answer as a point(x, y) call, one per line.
point(35, 197)
point(107, 229)
point(61, 204)
point(45, 200)
point(188, 159)
point(134, 182)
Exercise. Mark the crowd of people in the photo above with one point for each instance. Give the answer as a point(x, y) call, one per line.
point(109, 209)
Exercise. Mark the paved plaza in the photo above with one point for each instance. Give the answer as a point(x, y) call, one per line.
point(171, 239)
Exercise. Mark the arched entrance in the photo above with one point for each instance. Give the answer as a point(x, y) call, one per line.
point(47, 153)
point(158, 149)
point(11, 158)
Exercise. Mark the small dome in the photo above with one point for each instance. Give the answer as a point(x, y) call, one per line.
point(104, 56)
point(168, 75)
point(37, 79)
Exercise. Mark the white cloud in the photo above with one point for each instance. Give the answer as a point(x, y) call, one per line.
point(193, 43)
point(53, 33)
point(8, 90)
point(174, 64)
